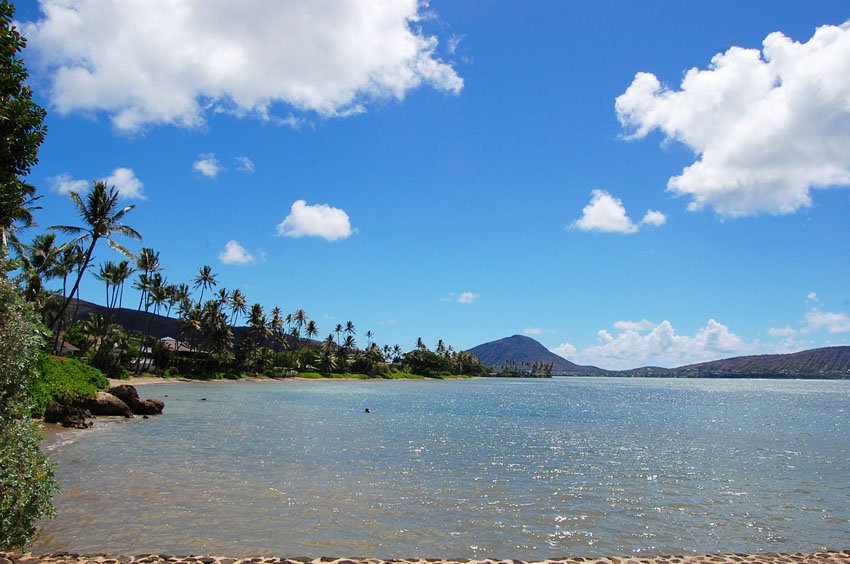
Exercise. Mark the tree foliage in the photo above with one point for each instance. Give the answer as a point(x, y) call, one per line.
point(22, 131)
point(26, 477)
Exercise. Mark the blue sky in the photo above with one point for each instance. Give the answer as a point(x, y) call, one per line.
point(467, 170)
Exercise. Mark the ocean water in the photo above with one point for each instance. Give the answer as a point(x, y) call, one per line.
point(477, 468)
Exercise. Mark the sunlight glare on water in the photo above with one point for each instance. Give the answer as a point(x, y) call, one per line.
point(477, 468)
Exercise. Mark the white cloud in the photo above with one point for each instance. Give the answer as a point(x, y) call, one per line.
point(208, 165)
point(564, 350)
point(453, 43)
point(244, 164)
point(606, 213)
point(782, 332)
point(157, 62)
point(766, 127)
point(461, 298)
point(641, 325)
point(812, 297)
point(653, 218)
point(832, 322)
point(65, 184)
point(235, 253)
point(467, 297)
point(661, 345)
point(315, 221)
point(535, 331)
point(123, 179)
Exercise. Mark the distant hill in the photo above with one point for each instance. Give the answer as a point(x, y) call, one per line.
point(828, 362)
point(523, 351)
point(160, 326)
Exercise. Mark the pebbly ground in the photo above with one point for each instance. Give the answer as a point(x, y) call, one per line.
point(832, 557)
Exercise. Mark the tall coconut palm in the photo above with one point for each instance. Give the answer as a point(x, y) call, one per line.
point(239, 305)
point(349, 328)
point(276, 327)
point(105, 275)
point(103, 220)
point(146, 263)
point(122, 272)
point(311, 330)
point(338, 330)
point(299, 318)
point(205, 280)
point(369, 336)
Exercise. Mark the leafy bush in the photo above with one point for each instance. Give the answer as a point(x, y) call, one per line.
point(311, 375)
point(64, 379)
point(27, 483)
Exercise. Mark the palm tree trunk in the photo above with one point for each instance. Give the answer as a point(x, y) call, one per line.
point(77, 281)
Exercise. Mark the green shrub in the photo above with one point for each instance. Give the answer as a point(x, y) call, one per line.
point(312, 375)
point(171, 372)
point(64, 379)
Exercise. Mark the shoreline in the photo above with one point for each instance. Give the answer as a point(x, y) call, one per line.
point(828, 557)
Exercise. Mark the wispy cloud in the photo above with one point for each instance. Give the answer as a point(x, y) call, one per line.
point(244, 164)
point(123, 179)
point(208, 165)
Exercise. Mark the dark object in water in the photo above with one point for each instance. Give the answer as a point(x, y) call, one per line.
point(203, 399)
point(367, 410)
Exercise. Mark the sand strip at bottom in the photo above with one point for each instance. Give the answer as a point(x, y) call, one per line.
point(830, 557)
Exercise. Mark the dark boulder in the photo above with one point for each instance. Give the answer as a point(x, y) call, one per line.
point(106, 404)
point(67, 415)
point(129, 395)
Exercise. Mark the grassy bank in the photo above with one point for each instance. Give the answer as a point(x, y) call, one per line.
point(62, 379)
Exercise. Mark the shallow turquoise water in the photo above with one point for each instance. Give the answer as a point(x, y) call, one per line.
point(499, 468)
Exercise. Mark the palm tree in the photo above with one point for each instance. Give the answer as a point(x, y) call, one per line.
point(369, 336)
point(103, 219)
point(299, 318)
point(349, 328)
point(276, 327)
point(105, 275)
point(120, 275)
point(17, 202)
point(238, 305)
point(312, 330)
point(204, 280)
point(41, 261)
point(338, 330)
point(147, 263)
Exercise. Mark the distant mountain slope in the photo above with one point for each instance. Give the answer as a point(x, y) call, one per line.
point(523, 351)
point(159, 326)
point(828, 362)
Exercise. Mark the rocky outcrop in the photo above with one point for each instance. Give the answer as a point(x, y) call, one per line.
point(129, 395)
point(106, 404)
point(66, 415)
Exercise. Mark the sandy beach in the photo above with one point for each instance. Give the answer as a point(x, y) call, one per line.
point(831, 557)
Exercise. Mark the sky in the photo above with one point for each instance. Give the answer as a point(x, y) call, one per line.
point(631, 184)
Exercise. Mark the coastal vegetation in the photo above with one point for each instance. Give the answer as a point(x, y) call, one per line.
point(26, 477)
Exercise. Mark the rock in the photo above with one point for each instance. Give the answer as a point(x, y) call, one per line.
point(138, 406)
point(67, 415)
point(107, 404)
